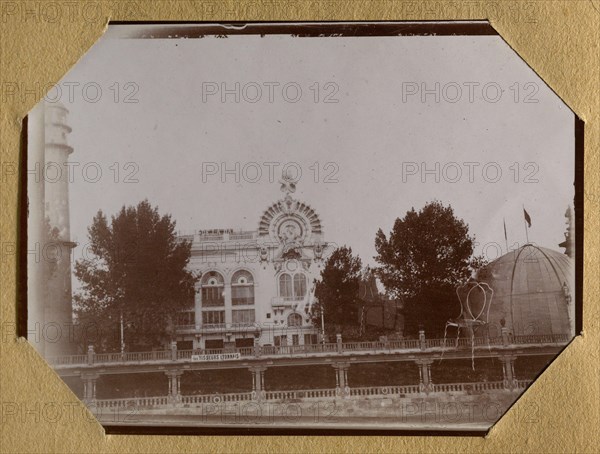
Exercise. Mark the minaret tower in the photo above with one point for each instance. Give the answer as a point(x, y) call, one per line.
point(58, 307)
point(36, 228)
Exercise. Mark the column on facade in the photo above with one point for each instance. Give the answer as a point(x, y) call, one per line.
point(228, 304)
point(174, 384)
point(89, 386)
point(425, 382)
point(258, 380)
point(508, 372)
point(342, 387)
point(198, 309)
point(197, 340)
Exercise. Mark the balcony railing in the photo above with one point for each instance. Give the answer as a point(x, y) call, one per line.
point(217, 236)
point(536, 338)
point(213, 302)
point(411, 346)
point(243, 301)
point(279, 301)
point(211, 237)
point(301, 394)
point(242, 236)
point(185, 327)
point(212, 327)
point(131, 402)
point(218, 327)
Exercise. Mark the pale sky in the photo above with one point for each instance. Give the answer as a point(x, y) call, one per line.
point(368, 134)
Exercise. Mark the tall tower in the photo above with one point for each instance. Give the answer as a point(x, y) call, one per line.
point(58, 307)
point(36, 228)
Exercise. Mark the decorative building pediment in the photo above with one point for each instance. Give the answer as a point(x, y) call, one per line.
point(289, 232)
point(291, 219)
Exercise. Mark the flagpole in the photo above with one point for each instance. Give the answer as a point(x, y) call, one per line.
point(505, 236)
point(525, 224)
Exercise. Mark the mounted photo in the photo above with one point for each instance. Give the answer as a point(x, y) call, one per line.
point(302, 227)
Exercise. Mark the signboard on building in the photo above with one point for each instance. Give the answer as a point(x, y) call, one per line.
point(216, 357)
point(214, 231)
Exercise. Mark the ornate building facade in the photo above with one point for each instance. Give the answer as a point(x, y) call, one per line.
point(256, 286)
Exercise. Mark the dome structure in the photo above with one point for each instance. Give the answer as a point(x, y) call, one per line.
point(533, 292)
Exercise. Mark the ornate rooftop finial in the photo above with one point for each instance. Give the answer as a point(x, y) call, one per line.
point(288, 184)
point(569, 243)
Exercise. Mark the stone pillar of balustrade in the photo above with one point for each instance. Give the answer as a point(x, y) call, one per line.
point(89, 387)
point(508, 372)
point(425, 382)
point(258, 381)
point(505, 336)
point(90, 355)
point(174, 351)
point(422, 340)
point(256, 347)
point(342, 386)
point(174, 385)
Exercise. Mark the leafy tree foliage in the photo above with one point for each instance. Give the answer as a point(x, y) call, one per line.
point(427, 254)
point(134, 275)
point(337, 294)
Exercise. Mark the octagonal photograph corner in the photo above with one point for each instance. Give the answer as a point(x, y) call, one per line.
point(325, 226)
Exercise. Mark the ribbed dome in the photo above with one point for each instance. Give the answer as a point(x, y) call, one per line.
point(533, 292)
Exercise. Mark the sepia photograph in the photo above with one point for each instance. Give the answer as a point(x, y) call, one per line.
point(302, 226)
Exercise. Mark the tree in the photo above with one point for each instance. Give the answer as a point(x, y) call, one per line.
point(135, 281)
point(428, 253)
point(337, 293)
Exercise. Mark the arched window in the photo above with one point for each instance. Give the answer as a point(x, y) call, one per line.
point(213, 289)
point(242, 288)
point(299, 285)
point(294, 319)
point(285, 286)
point(292, 287)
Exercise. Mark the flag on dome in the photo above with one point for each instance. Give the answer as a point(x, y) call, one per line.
point(527, 217)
